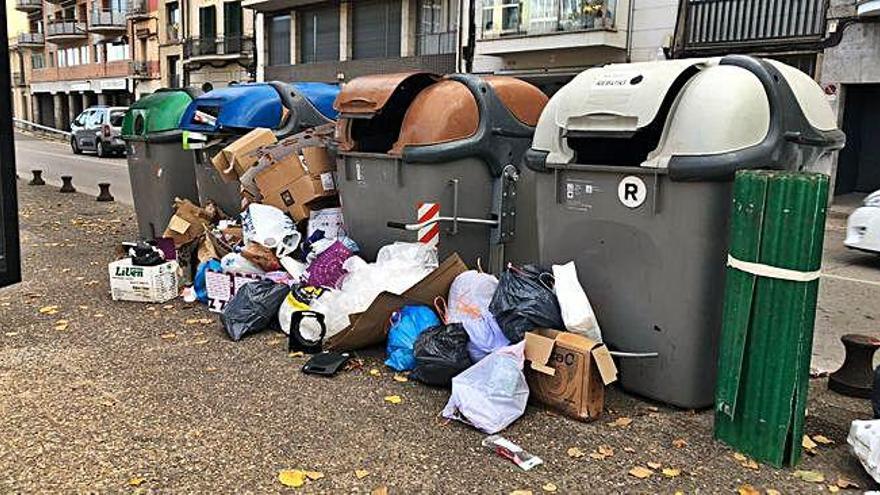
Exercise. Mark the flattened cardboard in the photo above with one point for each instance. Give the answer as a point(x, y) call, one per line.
point(568, 372)
point(371, 327)
point(187, 224)
point(241, 152)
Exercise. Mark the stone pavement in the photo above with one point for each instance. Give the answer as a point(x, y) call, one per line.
point(126, 397)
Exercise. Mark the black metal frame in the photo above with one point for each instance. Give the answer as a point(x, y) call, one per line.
point(10, 250)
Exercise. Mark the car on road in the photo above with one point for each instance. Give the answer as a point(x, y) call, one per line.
point(863, 225)
point(98, 129)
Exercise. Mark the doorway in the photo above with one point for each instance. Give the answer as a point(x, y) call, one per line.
point(858, 165)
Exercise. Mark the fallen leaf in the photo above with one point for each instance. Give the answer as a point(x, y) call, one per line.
point(549, 487)
point(98, 315)
point(679, 443)
point(201, 341)
point(810, 476)
point(771, 491)
point(382, 490)
point(809, 445)
point(393, 399)
point(671, 473)
point(822, 439)
point(750, 464)
point(375, 372)
point(521, 492)
point(833, 488)
point(629, 449)
point(11, 334)
point(296, 354)
point(747, 490)
point(136, 481)
point(210, 369)
point(361, 473)
point(292, 477)
point(621, 422)
point(168, 306)
point(640, 472)
point(192, 321)
point(597, 456)
point(605, 450)
point(739, 457)
point(168, 336)
point(846, 483)
point(654, 465)
point(575, 452)
point(314, 475)
point(48, 309)
point(400, 378)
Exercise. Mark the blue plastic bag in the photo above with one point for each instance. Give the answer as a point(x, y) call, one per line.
point(406, 326)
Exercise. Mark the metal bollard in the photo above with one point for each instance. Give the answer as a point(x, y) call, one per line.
point(67, 184)
point(38, 178)
point(856, 376)
point(104, 195)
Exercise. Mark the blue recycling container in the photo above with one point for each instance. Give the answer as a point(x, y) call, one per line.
point(225, 114)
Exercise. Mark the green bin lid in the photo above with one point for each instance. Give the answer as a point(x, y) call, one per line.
point(155, 113)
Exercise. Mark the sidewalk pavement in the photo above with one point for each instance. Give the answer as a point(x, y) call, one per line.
point(125, 397)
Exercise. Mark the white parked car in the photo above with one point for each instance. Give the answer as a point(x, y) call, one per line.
point(863, 226)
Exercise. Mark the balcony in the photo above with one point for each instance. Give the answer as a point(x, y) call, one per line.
point(28, 5)
point(547, 25)
point(115, 69)
point(31, 40)
point(63, 31)
point(107, 21)
point(275, 5)
point(720, 26)
point(145, 69)
point(138, 9)
point(218, 48)
point(18, 79)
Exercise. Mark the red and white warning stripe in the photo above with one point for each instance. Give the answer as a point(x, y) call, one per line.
point(429, 235)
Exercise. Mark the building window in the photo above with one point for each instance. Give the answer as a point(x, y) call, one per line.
point(232, 20)
point(437, 28)
point(117, 51)
point(208, 23)
point(279, 40)
point(37, 61)
point(318, 34)
point(376, 29)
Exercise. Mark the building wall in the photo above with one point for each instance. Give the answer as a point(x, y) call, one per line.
point(653, 26)
point(230, 70)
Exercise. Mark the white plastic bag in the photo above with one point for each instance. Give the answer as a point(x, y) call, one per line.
point(236, 263)
point(270, 227)
point(491, 394)
point(864, 440)
point(469, 296)
point(577, 313)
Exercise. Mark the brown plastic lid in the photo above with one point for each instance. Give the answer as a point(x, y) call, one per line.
point(366, 95)
point(525, 101)
point(443, 112)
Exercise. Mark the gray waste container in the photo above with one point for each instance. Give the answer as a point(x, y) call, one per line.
point(225, 114)
point(631, 174)
point(409, 141)
point(158, 166)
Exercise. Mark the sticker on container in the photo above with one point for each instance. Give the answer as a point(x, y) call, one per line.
point(328, 182)
point(632, 191)
point(579, 194)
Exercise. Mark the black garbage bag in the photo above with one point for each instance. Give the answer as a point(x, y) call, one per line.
point(875, 393)
point(524, 300)
point(441, 353)
point(253, 308)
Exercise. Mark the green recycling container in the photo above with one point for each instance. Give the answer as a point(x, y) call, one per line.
point(158, 166)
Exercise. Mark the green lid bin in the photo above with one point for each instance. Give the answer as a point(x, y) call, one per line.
point(158, 166)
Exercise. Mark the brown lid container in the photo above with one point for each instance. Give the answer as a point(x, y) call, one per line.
point(367, 95)
point(525, 101)
point(445, 111)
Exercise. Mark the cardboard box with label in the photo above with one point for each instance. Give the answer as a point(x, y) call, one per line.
point(151, 284)
point(309, 189)
point(234, 160)
point(221, 287)
point(568, 372)
point(276, 183)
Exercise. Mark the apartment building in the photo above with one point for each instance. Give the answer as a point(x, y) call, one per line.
point(78, 53)
point(850, 74)
point(330, 41)
point(217, 45)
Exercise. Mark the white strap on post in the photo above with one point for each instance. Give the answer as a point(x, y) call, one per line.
point(763, 270)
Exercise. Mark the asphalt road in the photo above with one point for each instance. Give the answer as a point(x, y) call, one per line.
point(56, 159)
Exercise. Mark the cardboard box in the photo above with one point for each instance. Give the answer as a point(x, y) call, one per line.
point(242, 153)
point(222, 286)
point(276, 186)
point(371, 327)
point(317, 160)
point(309, 189)
point(187, 224)
point(151, 284)
point(568, 372)
point(223, 167)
